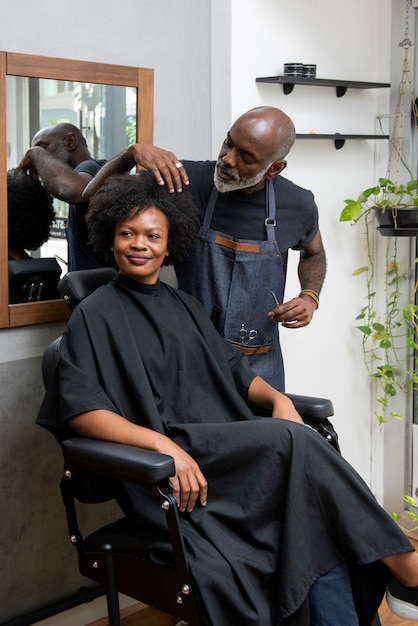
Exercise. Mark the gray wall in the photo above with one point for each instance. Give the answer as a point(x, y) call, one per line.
point(35, 551)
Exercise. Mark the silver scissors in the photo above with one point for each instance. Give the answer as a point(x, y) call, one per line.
point(275, 298)
point(247, 336)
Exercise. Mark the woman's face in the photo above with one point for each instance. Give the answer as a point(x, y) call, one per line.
point(140, 245)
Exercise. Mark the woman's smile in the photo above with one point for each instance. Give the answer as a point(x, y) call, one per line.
point(138, 259)
point(140, 244)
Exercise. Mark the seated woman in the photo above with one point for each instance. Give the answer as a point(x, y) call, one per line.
point(267, 507)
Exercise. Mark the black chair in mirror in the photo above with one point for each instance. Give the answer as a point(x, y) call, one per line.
point(32, 280)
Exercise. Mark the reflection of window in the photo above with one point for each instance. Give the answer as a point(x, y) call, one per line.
point(106, 114)
point(48, 88)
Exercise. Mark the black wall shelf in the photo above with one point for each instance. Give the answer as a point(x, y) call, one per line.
point(338, 138)
point(341, 86)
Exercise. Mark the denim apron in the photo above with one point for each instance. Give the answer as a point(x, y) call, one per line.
point(234, 280)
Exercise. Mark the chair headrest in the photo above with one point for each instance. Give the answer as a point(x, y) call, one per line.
point(75, 286)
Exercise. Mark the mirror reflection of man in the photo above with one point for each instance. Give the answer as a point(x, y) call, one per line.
point(59, 156)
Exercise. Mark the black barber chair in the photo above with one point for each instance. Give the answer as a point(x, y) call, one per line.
point(114, 556)
point(32, 280)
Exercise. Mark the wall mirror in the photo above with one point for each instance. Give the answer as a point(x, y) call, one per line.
point(111, 104)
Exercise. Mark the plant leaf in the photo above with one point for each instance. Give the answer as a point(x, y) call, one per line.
point(412, 184)
point(360, 270)
point(378, 326)
point(365, 330)
point(397, 416)
point(351, 212)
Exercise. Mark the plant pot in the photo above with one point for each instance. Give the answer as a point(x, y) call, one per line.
point(397, 220)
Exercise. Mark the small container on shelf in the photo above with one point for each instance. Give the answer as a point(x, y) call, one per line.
point(309, 71)
point(293, 69)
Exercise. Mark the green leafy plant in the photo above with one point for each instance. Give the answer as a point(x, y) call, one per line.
point(386, 195)
point(408, 519)
point(388, 327)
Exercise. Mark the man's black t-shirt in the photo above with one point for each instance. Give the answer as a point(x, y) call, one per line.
point(242, 215)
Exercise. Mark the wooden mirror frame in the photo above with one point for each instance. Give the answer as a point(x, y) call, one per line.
point(15, 64)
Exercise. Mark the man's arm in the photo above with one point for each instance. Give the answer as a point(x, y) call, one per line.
point(60, 180)
point(312, 267)
point(162, 163)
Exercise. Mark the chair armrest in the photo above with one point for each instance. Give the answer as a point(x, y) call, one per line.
point(118, 460)
point(312, 408)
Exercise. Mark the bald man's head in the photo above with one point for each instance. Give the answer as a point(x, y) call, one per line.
point(272, 126)
point(254, 150)
point(64, 141)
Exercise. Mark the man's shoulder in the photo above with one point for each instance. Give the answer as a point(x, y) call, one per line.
point(199, 168)
point(289, 194)
point(286, 185)
point(200, 175)
point(90, 166)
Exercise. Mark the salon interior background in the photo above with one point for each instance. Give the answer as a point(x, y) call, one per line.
point(206, 56)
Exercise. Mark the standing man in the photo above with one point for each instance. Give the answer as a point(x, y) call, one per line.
point(60, 157)
point(251, 216)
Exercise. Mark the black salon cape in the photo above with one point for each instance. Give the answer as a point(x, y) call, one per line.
point(283, 506)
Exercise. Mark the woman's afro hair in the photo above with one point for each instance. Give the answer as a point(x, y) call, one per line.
point(30, 211)
point(124, 195)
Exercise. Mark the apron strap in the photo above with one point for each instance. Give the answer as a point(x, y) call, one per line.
point(209, 209)
point(270, 221)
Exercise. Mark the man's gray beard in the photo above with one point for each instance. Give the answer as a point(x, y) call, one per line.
point(224, 186)
point(62, 154)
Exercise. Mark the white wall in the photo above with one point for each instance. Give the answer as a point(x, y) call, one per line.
point(348, 41)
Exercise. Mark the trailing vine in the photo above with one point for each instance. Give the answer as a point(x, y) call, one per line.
point(388, 326)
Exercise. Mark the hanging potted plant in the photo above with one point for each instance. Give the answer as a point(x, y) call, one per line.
point(395, 207)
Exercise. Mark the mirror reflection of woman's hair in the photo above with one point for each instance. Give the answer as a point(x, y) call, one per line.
point(30, 213)
point(126, 195)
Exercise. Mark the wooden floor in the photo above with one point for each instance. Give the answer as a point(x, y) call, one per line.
point(151, 617)
point(132, 616)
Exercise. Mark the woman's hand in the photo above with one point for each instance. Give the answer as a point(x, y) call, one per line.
point(189, 484)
